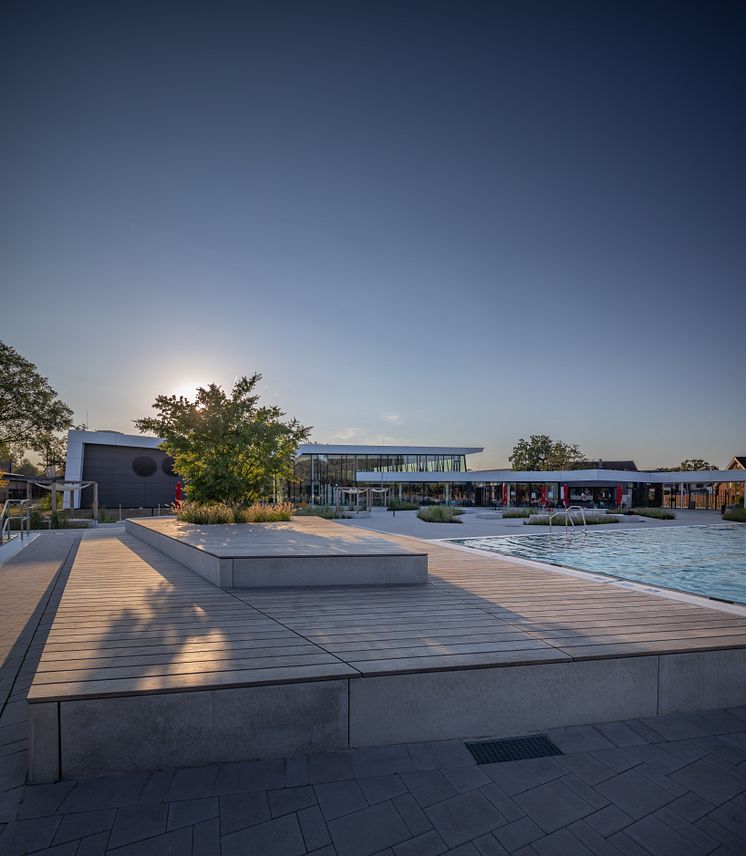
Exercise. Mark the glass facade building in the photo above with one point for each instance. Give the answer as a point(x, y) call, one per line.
point(131, 471)
point(319, 471)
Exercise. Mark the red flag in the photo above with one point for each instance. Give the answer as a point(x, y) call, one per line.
point(618, 496)
point(543, 494)
point(566, 494)
point(505, 493)
point(178, 494)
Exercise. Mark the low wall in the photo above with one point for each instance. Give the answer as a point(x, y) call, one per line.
point(97, 736)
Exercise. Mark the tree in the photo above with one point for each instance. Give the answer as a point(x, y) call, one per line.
point(694, 464)
point(226, 447)
point(25, 468)
point(31, 414)
point(540, 452)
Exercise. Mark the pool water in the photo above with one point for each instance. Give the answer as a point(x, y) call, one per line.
point(705, 560)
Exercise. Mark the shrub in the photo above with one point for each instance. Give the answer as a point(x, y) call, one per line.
point(103, 516)
point(737, 514)
point(655, 513)
point(439, 514)
point(58, 520)
point(218, 512)
point(402, 505)
point(559, 520)
point(36, 519)
point(516, 512)
point(328, 512)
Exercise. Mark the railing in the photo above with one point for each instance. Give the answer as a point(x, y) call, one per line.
point(6, 517)
point(568, 517)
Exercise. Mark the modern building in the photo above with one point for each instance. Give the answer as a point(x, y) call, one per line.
point(738, 462)
point(132, 472)
point(320, 468)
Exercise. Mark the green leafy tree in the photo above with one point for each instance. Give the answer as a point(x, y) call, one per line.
point(540, 452)
point(31, 414)
point(227, 448)
point(694, 464)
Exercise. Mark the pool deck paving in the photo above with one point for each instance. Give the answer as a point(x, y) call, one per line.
point(653, 785)
point(384, 522)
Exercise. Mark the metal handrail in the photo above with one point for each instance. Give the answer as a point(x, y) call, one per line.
point(5, 519)
point(568, 517)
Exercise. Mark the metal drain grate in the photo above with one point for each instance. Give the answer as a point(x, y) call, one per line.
point(514, 749)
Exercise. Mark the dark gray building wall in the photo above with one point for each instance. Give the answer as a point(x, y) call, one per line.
point(113, 467)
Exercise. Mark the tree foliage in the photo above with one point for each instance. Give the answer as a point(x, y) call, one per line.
point(25, 468)
point(694, 464)
point(227, 448)
point(31, 414)
point(540, 452)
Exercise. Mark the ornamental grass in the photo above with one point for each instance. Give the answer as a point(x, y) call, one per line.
point(655, 513)
point(561, 518)
point(207, 514)
point(440, 514)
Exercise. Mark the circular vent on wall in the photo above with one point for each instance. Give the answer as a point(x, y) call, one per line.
point(167, 465)
point(144, 466)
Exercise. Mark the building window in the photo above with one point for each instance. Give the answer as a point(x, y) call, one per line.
point(144, 466)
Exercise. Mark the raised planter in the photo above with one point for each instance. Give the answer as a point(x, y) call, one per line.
point(303, 552)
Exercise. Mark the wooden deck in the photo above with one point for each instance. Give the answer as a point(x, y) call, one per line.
point(481, 611)
point(132, 621)
point(148, 665)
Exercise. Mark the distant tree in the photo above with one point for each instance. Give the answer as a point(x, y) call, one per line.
point(31, 414)
point(540, 452)
point(694, 464)
point(226, 447)
point(25, 468)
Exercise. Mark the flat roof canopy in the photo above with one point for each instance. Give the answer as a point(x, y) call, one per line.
point(345, 449)
point(565, 476)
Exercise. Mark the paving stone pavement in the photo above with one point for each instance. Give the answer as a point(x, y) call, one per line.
point(667, 786)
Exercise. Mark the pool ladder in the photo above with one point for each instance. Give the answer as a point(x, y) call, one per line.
point(6, 519)
point(568, 517)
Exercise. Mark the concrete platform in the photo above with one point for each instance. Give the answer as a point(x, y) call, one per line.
point(148, 665)
point(306, 551)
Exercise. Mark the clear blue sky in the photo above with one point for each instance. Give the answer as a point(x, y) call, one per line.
point(440, 223)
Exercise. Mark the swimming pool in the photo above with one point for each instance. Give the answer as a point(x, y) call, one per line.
point(705, 560)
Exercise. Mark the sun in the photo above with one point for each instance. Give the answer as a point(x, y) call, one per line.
point(187, 388)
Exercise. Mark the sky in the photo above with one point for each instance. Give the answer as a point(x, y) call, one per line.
point(453, 223)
